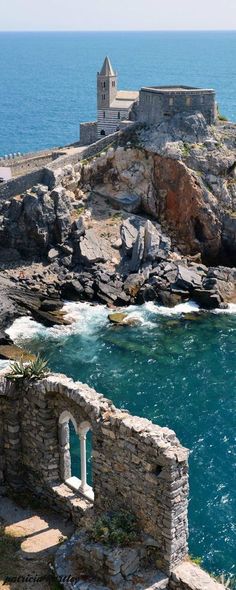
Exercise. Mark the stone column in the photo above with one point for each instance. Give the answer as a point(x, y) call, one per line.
point(65, 458)
point(83, 463)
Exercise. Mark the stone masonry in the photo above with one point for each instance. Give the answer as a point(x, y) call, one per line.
point(135, 464)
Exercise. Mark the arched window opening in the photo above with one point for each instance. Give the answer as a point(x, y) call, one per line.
point(76, 454)
point(103, 132)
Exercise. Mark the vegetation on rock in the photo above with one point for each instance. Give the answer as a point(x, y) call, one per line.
point(116, 528)
point(36, 369)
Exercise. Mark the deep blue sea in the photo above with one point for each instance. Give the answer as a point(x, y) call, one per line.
point(48, 80)
point(177, 369)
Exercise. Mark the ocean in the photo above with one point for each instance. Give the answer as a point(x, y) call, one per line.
point(176, 368)
point(48, 80)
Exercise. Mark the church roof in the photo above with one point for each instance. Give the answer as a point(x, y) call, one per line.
point(107, 69)
point(124, 99)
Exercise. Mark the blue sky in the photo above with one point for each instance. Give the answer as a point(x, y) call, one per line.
point(117, 14)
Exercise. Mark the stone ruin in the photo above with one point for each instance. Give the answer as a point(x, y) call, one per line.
point(136, 465)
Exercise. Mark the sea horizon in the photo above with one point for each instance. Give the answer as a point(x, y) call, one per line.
point(48, 78)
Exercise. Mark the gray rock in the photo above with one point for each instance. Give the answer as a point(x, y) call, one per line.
point(92, 248)
point(151, 241)
point(208, 299)
point(138, 251)
point(53, 254)
point(129, 231)
point(129, 202)
point(188, 278)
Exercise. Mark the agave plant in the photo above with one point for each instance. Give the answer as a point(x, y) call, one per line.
point(36, 369)
point(226, 581)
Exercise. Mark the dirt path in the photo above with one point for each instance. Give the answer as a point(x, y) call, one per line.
point(28, 541)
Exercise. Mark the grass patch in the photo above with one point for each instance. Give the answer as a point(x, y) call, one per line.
point(196, 560)
point(186, 150)
point(78, 211)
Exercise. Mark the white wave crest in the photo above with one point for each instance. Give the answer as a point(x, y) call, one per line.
point(88, 319)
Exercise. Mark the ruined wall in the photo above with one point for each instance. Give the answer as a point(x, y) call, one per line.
point(134, 462)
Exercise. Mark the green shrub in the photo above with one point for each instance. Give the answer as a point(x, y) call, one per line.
point(196, 560)
point(36, 369)
point(220, 116)
point(116, 528)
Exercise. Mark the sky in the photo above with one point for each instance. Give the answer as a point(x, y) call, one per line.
point(98, 15)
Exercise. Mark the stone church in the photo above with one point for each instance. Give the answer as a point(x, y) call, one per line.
point(152, 105)
point(113, 106)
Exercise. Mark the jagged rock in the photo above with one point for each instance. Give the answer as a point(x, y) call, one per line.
point(72, 290)
point(129, 202)
point(92, 248)
point(79, 227)
point(152, 241)
point(129, 231)
point(138, 250)
point(189, 128)
point(4, 339)
point(169, 299)
point(111, 294)
point(15, 353)
point(37, 220)
point(53, 254)
point(207, 299)
point(51, 305)
point(187, 279)
point(133, 283)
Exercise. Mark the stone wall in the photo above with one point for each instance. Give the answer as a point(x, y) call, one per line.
point(24, 182)
point(136, 465)
point(88, 132)
point(160, 104)
point(188, 576)
point(20, 184)
point(134, 462)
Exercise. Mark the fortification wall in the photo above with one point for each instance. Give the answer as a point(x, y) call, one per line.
point(20, 184)
point(157, 106)
point(88, 132)
point(43, 175)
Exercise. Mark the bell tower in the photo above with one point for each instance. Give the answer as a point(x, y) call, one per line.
point(106, 85)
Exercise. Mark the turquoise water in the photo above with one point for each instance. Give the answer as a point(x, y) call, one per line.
point(178, 369)
point(48, 80)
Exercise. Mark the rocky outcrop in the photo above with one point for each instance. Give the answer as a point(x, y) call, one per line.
point(188, 209)
point(36, 220)
point(91, 248)
point(124, 226)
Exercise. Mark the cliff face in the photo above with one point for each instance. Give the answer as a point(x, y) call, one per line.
point(125, 225)
point(185, 179)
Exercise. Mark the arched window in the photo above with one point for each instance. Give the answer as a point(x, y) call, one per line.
point(103, 132)
point(69, 456)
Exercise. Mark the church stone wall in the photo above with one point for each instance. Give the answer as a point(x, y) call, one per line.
point(157, 105)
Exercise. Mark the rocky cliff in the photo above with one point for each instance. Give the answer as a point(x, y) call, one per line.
point(151, 218)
